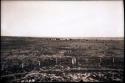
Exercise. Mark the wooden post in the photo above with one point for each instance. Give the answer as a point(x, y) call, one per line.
point(113, 60)
point(56, 60)
point(113, 75)
point(22, 65)
point(39, 63)
point(100, 60)
point(73, 60)
point(3, 67)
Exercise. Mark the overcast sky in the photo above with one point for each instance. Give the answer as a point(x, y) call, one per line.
point(62, 18)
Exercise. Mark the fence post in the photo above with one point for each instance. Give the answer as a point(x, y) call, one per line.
point(113, 60)
point(100, 60)
point(73, 60)
point(113, 75)
point(22, 65)
point(56, 60)
point(39, 63)
point(3, 67)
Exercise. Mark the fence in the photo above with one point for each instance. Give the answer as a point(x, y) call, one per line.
point(81, 61)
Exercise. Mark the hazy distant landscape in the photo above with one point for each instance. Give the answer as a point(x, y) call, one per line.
point(28, 59)
point(62, 41)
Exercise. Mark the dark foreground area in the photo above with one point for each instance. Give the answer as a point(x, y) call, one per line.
point(26, 59)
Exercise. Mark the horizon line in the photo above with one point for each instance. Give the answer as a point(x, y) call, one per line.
point(64, 37)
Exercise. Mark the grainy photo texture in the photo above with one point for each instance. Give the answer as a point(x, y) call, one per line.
point(62, 41)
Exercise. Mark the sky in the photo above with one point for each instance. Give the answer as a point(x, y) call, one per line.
point(62, 18)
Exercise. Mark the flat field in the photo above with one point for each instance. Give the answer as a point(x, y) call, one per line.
point(28, 59)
